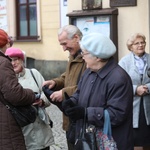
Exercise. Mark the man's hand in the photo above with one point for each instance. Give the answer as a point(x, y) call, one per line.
point(56, 96)
point(49, 83)
point(48, 92)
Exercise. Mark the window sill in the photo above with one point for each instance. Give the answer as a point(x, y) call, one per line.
point(27, 40)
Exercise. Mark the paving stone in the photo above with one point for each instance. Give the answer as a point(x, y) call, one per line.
point(58, 132)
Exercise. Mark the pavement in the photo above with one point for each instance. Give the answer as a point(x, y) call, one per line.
point(58, 133)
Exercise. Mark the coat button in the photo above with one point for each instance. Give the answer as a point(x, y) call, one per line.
point(99, 115)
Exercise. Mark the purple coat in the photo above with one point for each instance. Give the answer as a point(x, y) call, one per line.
point(110, 88)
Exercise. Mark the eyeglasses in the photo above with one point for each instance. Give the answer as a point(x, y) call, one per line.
point(140, 43)
point(84, 53)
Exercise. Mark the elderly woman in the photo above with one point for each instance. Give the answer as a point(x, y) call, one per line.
point(38, 135)
point(137, 64)
point(104, 85)
point(11, 136)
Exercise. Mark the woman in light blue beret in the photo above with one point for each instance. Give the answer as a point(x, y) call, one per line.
point(103, 86)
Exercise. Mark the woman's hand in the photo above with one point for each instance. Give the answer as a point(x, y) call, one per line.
point(142, 90)
point(38, 102)
point(76, 112)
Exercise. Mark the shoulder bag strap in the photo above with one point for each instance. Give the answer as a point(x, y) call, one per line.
point(34, 77)
point(35, 80)
point(107, 124)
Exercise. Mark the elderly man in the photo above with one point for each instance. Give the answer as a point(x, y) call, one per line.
point(69, 37)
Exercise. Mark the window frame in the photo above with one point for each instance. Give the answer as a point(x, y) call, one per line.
point(18, 33)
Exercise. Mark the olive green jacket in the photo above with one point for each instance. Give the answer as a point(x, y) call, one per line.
point(69, 79)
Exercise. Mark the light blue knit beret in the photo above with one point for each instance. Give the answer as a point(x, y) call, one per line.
point(98, 45)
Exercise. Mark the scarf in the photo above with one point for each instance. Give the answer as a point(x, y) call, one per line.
point(140, 63)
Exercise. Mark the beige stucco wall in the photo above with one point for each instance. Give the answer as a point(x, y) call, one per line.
point(48, 47)
point(130, 20)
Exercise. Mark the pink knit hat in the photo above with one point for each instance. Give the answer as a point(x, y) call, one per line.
point(15, 52)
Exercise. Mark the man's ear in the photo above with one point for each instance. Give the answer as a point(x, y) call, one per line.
point(77, 37)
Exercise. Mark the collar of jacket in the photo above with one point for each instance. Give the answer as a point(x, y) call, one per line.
point(78, 57)
point(111, 64)
point(21, 74)
point(78, 53)
point(3, 55)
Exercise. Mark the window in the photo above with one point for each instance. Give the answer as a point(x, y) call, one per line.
point(26, 11)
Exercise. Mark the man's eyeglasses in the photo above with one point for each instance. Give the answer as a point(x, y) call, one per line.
point(139, 43)
point(84, 53)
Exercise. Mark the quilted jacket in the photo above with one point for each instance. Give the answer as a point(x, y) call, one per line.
point(11, 137)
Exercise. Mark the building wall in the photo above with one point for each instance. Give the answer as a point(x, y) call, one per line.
point(47, 50)
point(46, 55)
point(130, 20)
point(47, 47)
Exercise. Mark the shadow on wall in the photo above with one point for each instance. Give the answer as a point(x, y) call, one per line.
point(49, 69)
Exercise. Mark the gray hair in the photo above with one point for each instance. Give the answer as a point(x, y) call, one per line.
point(133, 37)
point(71, 30)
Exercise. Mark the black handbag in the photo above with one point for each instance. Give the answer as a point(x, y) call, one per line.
point(70, 134)
point(87, 138)
point(23, 115)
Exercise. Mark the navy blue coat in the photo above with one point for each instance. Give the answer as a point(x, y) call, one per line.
point(110, 88)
